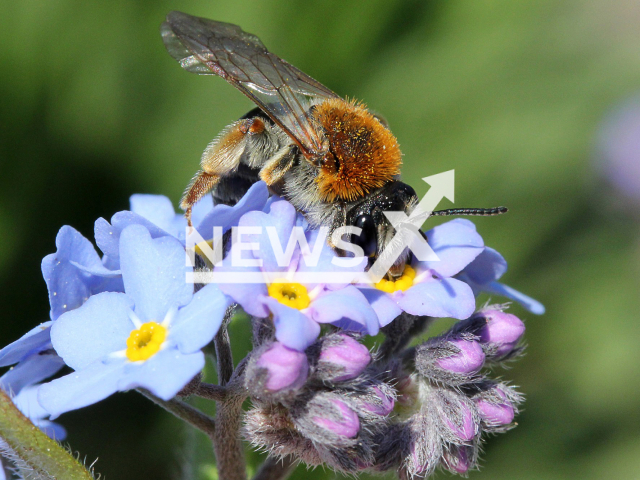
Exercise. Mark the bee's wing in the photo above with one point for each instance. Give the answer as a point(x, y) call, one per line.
point(282, 91)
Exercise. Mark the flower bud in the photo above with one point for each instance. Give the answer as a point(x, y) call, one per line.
point(495, 407)
point(464, 426)
point(381, 404)
point(469, 359)
point(341, 420)
point(282, 368)
point(452, 359)
point(457, 460)
point(456, 415)
point(501, 330)
point(342, 358)
point(331, 422)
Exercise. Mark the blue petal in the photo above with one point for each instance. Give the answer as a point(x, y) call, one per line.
point(347, 303)
point(281, 217)
point(325, 262)
point(54, 430)
point(438, 298)
point(154, 272)
point(456, 243)
point(100, 327)
point(196, 324)
point(294, 329)
point(34, 341)
point(164, 374)
point(155, 208)
point(107, 239)
point(487, 267)
point(27, 403)
point(226, 216)
point(248, 295)
point(201, 209)
point(73, 273)
point(108, 235)
point(34, 369)
point(527, 302)
point(110, 284)
point(81, 388)
point(385, 307)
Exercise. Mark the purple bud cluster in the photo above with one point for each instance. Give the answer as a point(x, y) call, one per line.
point(424, 408)
point(323, 405)
point(453, 404)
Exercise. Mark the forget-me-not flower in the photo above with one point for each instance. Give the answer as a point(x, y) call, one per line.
point(297, 308)
point(150, 336)
point(427, 287)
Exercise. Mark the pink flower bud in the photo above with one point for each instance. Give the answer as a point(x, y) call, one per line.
point(469, 360)
point(347, 426)
point(457, 460)
point(496, 412)
point(348, 355)
point(384, 407)
point(465, 427)
point(502, 329)
point(286, 368)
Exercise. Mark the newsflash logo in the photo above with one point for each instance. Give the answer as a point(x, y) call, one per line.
point(239, 268)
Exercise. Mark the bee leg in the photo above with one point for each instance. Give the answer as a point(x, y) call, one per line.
point(221, 157)
point(200, 185)
point(275, 168)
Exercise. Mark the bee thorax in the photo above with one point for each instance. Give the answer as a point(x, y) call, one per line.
point(363, 154)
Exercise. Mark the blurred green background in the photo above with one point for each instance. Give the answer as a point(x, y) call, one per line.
point(509, 94)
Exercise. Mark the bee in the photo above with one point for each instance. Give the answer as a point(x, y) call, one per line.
point(334, 160)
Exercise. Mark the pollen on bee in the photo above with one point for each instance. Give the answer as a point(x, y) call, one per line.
point(363, 154)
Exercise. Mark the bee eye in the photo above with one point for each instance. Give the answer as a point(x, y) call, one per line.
point(368, 238)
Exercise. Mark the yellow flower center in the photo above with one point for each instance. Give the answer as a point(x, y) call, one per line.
point(145, 342)
point(292, 295)
point(403, 283)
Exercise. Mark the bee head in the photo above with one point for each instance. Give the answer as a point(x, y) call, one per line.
point(377, 232)
point(363, 155)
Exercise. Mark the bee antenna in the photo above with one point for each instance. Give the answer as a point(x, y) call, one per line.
point(476, 212)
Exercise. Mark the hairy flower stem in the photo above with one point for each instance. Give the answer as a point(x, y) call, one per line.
point(186, 412)
point(211, 392)
point(400, 332)
point(226, 440)
point(227, 444)
point(275, 469)
point(224, 357)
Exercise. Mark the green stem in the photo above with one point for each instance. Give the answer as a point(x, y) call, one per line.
point(33, 449)
point(184, 411)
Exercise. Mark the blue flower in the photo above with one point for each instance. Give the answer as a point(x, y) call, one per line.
point(482, 275)
point(297, 308)
point(427, 288)
point(156, 214)
point(149, 337)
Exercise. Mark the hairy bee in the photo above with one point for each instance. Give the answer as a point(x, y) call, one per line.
point(331, 158)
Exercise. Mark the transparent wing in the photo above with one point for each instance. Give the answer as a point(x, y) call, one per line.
point(282, 91)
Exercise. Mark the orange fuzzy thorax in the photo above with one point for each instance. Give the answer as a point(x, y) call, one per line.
point(363, 155)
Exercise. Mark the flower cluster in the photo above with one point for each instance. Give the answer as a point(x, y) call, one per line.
point(129, 319)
